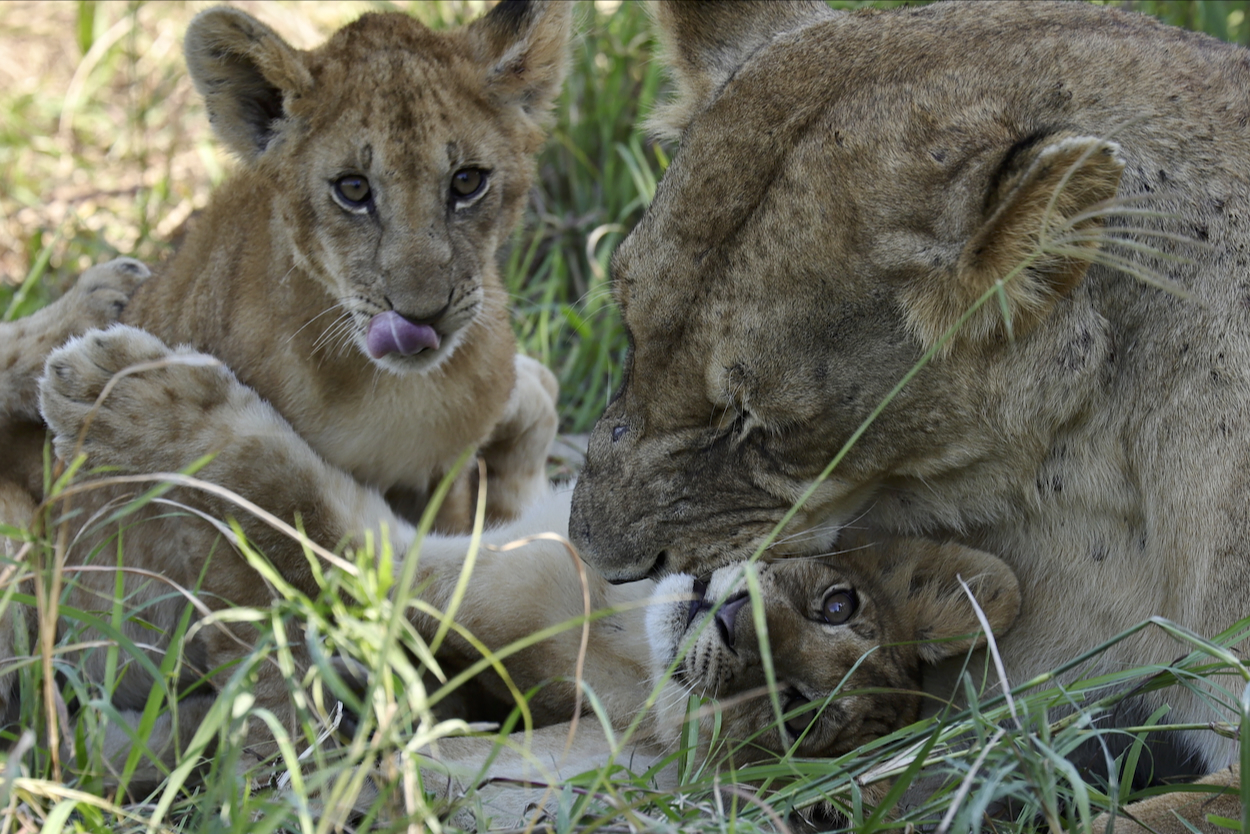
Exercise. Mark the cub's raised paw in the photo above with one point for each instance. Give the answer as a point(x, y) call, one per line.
point(103, 291)
point(162, 408)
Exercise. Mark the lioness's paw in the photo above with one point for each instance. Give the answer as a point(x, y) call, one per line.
point(157, 403)
point(104, 290)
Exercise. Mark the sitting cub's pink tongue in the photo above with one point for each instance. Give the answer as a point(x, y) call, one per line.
point(392, 333)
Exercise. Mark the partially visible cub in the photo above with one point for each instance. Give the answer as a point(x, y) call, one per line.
point(97, 300)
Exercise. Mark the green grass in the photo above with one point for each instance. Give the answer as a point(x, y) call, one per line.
point(114, 164)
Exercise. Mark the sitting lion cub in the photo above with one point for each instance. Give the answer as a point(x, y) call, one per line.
point(347, 271)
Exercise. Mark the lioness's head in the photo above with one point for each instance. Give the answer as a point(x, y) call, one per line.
point(849, 636)
point(846, 188)
point(396, 158)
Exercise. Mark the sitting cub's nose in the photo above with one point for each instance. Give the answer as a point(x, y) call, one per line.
point(727, 615)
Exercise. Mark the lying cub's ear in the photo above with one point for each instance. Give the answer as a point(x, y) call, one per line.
point(943, 614)
point(704, 42)
point(1041, 211)
point(245, 73)
point(523, 44)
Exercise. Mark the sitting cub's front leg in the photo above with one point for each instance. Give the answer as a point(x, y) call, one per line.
point(163, 410)
point(183, 406)
point(516, 453)
point(167, 408)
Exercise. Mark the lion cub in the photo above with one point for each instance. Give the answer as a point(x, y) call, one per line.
point(347, 271)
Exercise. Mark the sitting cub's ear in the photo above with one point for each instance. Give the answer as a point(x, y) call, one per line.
point(946, 624)
point(1041, 223)
point(246, 74)
point(704, 42)
point(524, 46)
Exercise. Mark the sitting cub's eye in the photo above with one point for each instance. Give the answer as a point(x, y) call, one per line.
point(839, 606)
point(467, 182)
point(353, 192)
point(798, 723)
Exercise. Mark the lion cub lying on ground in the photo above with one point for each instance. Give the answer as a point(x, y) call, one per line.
point(895, 604)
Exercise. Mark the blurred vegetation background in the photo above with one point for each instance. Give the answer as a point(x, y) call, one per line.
point(105, 150)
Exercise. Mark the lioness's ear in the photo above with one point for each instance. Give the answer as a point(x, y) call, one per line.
point(246, 73)
point(1037, 235)
point(524, 46)
point(943, 614)
point(704, 42)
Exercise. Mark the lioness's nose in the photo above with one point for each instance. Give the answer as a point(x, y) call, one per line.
point(727, 615)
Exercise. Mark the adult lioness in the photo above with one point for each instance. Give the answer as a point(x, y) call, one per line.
point(847, 187)
point(347, 271)
point(849, 634)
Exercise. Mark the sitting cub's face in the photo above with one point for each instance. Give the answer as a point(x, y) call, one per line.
point(393, 159)
point(848, 635)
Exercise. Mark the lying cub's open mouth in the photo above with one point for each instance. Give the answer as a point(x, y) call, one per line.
point(392, 333)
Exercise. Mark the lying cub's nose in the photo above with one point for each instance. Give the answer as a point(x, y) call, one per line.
point(727, 614)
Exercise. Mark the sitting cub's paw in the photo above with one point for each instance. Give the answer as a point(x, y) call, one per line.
point(104, 290)
point(162, 409)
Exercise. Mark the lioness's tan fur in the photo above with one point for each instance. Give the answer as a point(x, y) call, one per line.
point(846, 186)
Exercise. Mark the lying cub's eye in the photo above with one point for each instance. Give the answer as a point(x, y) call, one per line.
point(467, 182)
point(353, 192)
point(839, 606)
point(797, 724)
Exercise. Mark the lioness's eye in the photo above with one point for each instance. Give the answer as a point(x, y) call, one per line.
point(353, 191)
point(467, 182)
point(839, 606)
